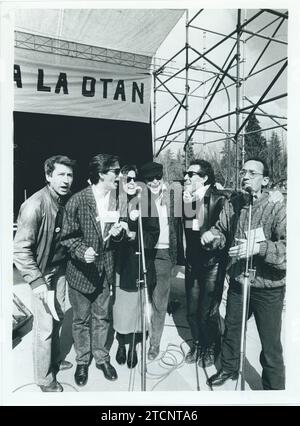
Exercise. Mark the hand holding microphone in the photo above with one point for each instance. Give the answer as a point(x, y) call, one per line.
point(90, 255)
point(208, 238)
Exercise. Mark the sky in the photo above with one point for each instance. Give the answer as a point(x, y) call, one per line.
point(222, 21)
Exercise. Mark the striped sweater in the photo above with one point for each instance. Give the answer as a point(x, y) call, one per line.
point(270, 262)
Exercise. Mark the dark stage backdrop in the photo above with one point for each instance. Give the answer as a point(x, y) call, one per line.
point(39, 136)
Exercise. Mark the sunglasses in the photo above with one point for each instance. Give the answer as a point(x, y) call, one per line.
point(115, 171)
point(130, 178)
point(191, 174)
point(151, 178)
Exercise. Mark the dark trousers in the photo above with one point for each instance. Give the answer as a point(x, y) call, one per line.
point(204, 288)
point(266, 305)
point(159, 289)
point(91, 323)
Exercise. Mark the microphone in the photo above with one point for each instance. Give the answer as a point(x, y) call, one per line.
point(249, 190)
point(138, 189)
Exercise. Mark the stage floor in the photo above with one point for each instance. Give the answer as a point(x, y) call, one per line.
point(167, 373)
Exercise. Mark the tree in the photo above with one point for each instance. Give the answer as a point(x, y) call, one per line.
point(255, 143)
point(190, 151)
point(172, 164)
point(275, 158)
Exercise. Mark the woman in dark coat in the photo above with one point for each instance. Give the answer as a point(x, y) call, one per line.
point(126, 307)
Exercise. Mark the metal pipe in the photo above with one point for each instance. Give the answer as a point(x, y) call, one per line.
point(229, 35)
point(275, 12)
point(173, 57)
point(261, 98)
point(222, 139)
point(182, 94)
point(210, 31)
point(238, 85)
point(224, 64)
point(203, 55)
point(194, 17)
point(226, 115)
point(154, 110)
point(266, 47)
point(208, 103)
point(263, 28)
point(265, 37)
point(170, 127)
point(186, 87)
point(168, 90)
point(267, 67)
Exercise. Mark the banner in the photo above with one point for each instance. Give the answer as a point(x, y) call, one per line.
point(52, 84)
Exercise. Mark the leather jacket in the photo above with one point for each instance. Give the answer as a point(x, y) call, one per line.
point(214, 200)
point(33, 239)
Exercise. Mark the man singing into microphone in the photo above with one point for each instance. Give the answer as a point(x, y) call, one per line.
point(267, 255)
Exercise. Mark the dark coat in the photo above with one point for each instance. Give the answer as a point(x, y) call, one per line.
point(175, 225)
point(214, 200)
point(127, 264)
point(82, 230)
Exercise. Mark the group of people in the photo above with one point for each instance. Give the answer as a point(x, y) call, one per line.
point(92, 241)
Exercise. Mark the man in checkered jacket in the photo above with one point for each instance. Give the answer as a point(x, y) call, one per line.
point(90, 230)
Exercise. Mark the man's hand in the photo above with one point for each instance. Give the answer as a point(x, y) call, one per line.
point(134, 214)
point(41, 292)
point(240, 250)
point(276, 196)
point(130, 234)
point(90, 255)
point(208, 237)
point(116, 229)
point(187, 197)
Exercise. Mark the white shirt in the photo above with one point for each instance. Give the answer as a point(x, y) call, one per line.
point(163, 240)
point(102, 207)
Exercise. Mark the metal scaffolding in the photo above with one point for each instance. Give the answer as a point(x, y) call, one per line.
point(223, 76)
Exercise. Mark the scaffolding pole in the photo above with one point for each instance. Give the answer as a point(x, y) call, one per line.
point(220, 74)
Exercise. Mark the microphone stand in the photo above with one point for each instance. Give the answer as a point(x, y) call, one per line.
point(142, 286)
point(246, 299)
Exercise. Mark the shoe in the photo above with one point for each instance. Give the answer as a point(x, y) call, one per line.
point(121, 355)
point(153, 352)
point(53, 387)
point(81, 374)
point(221, 377)
point(173, 305)
point(108, 370)
point(132, 358)
point(192, 356)
point(208, 358)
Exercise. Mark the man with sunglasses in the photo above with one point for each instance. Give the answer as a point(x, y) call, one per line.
point(204, 270)
point(267, 255)
point(166, 252)
point(90, 228)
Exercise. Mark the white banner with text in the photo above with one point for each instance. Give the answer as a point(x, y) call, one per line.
point(54, 84)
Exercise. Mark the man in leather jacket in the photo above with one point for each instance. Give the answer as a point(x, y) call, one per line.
point(41, 259)
point(205, 270)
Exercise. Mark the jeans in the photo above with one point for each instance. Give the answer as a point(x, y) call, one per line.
point(46, 345)
point(159, 290)
point(266, 304)
point(91, 323)
point(204, 287)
